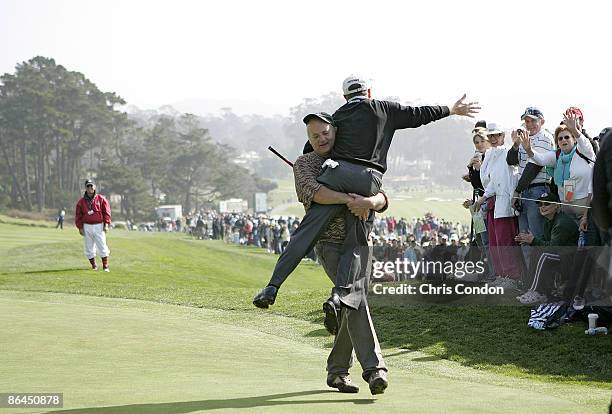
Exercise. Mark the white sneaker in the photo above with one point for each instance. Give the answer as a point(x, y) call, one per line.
point(532, 297)
point(504, 282)
point(94, 268)
point(106, 269)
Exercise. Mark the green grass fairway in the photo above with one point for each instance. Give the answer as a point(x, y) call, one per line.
point(124, 356)
point(443, 204)
point(172, 330)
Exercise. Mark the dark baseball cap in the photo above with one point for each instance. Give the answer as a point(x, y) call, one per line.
point(532, 112)
point(89, 182)
point(322, 116)
point(548, 197)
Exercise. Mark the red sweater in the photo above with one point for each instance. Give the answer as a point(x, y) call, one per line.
point(101, 211)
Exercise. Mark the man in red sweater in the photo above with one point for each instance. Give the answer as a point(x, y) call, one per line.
point(93, 218)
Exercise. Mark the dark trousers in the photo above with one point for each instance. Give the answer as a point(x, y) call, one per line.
point(347, 178)
point(356, 329)
point(549, 263)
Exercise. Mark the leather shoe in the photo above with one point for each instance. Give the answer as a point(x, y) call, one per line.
point(265, 297)
point(332, 308)
point(342, 383)
point(378, 381)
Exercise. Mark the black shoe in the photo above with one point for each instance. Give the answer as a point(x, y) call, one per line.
point(265, 297)
point(342, 383)
point(378, 382)
point(331, 308)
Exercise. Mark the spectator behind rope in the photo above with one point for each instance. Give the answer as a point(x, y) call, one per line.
point(499, 180)
point(533, 181)
point(559, 230)
point(482, 144)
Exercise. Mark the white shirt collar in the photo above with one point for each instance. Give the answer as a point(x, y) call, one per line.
point(357, 99)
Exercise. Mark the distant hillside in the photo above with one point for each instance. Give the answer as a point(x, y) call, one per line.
point(433, 154)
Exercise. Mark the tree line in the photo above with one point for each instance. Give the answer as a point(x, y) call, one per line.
point(57, 129)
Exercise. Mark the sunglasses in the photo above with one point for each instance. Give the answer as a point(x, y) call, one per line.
point(543, 204)
point(560, 137)
point(89, 185)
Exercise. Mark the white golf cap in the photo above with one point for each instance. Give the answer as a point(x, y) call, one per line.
point(353, 84)
point(493, 128)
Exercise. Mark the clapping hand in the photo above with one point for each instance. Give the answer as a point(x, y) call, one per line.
point(516, 140)
point(524, 238)
point(525, 141)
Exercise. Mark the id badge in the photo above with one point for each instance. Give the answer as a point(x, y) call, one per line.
point(569, 186)
point(90, 212)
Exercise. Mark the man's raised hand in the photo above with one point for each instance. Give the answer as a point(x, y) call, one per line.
point(465, 108)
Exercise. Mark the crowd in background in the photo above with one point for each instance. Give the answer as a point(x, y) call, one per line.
point(391, 237)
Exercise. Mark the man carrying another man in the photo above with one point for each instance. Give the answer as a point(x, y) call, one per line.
point(353, 327)
point(358, 161)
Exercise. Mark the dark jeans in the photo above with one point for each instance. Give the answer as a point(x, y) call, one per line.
point(347, 178)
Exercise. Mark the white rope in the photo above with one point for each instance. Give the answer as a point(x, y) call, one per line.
point(552, 202)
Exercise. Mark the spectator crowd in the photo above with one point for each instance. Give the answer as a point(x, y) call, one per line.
point(532, 207)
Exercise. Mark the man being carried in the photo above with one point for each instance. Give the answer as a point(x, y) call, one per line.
point(358, 160)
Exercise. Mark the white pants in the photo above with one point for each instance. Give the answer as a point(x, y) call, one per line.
point(95, 237)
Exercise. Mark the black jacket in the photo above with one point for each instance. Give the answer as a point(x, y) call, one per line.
point(366, 128)
point(602, 184)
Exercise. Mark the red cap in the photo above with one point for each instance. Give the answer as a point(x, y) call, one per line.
point(575, 111)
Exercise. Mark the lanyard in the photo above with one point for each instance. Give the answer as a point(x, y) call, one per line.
point(90, 203)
